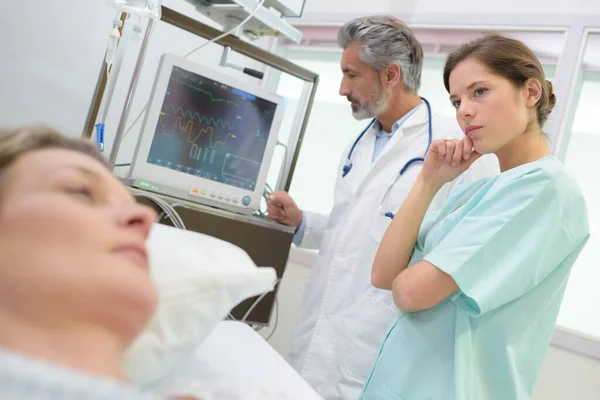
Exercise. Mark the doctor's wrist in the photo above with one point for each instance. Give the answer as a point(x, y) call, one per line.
point(298, 222)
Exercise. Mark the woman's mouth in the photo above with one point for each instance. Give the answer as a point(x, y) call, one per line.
point(137, 254)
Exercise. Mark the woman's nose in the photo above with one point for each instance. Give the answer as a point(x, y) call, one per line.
point(138, 217)
point(465, 110)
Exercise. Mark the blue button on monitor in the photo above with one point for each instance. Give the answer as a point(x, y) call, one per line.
point(246, 200)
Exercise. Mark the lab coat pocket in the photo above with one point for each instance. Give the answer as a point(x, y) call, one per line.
point(366, 334)
point(379, 226)
point(390, 205)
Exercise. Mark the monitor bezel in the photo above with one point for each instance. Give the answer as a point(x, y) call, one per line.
point(141, 169)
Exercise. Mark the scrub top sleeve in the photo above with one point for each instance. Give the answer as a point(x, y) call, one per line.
point(513, 237)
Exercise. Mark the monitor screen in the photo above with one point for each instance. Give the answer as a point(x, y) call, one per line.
point(211, 130)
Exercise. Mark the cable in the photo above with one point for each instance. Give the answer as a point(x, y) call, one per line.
point(173, 206)
point(178, 217)
point(232, 30)
point(276, 319)
point(176, 214)
point(167, 209)
point(253, 306)
point(267, 191)
point(266, 199)
point(123, 165)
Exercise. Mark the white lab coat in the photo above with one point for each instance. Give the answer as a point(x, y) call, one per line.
point(343, 319)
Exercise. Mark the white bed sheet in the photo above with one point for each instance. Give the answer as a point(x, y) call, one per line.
point(236, 354)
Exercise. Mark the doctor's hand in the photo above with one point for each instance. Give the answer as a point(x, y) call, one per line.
point(447, 159)
point(283, 209)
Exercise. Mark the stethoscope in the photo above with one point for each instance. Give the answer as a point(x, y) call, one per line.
point(348, 165)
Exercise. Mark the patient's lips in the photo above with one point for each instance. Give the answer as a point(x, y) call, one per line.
point(136, 253)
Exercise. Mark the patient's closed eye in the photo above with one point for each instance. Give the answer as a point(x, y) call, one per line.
point(83, 193)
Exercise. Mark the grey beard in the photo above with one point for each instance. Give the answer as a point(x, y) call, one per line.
point(372, 109)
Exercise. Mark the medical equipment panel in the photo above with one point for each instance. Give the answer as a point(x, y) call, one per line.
point(207, 137)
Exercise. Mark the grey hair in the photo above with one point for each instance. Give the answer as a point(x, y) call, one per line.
point(385, 40)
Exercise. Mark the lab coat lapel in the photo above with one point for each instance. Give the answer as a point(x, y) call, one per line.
point(363, 158)
point(415, 123)
point(418, 118)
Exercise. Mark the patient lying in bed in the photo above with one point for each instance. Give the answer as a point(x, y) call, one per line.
point(74, 281)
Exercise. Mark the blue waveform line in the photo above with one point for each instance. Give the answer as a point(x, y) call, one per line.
point(201, 118)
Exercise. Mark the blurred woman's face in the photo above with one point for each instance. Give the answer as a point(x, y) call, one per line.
point(72, 245)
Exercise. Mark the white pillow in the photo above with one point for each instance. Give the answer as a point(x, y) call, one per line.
point(199, 280)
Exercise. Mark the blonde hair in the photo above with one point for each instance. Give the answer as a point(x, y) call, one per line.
point(17, 142)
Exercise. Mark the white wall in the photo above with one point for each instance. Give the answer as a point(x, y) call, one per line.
point(51, 57)
point(580, 309)
point(454, 7)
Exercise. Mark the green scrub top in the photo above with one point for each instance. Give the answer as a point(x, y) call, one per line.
point(509, 243)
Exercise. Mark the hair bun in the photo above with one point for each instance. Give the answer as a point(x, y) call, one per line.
point(551, 96)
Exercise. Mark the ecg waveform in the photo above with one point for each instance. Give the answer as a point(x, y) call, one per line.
point(189, 129)
point(206, 92)
point(201, 118)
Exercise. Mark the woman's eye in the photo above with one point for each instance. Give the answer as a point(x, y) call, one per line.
point(456, 104)
point(81, 192)
point(480, 91)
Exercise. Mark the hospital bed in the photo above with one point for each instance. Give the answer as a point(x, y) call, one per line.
point(235, 353)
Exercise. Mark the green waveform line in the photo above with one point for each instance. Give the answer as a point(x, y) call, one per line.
point(201, 118)
point(189, 127)
point(206, 92)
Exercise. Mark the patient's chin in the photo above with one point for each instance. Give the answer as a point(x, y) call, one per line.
point(128, 313)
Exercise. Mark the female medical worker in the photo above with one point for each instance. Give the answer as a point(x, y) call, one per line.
point(480, 281)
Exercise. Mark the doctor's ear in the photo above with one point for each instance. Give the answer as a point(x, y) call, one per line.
point(393, 75)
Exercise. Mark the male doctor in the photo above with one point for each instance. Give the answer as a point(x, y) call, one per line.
point(343, 319)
